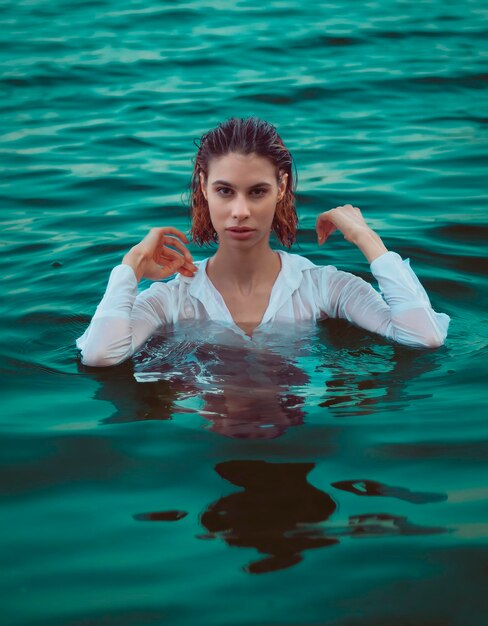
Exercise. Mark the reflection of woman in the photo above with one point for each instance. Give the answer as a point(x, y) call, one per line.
point(242, 190)
point(278, 513)
point(264, 413)
point(281, 514)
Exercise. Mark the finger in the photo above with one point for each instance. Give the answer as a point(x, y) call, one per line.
point(331, 228)
point(176, 245)
point(320, 228)
point(155, 236)
point(177, 233)
point(191, 267)
point(156, 272)
point(186, 272)
point(169, 230)
point(188, 269)
point(170, 257)
point(326, 231)
point(172, 241)
point(167, 255)
point(324, 227)
point(323, 218)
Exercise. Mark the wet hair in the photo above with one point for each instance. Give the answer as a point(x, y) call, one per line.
point(243, 136)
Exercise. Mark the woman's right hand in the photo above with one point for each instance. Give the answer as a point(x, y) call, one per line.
point(153, 257)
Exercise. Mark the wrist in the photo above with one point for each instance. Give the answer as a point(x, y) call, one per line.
point(370, 244)
point(136, 261)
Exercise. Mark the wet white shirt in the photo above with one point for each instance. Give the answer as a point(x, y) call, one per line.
point(125, 319)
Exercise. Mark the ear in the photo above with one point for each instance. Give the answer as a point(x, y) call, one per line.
point(203, 185)
point(282, 186)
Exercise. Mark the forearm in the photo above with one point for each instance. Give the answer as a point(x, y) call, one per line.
point(136, 261)
point(108, 338)
point(121, 323)
point(369, 243)
point(412, 321)
point(107, 341)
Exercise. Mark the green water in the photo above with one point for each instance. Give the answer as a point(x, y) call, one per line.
point(365, 500)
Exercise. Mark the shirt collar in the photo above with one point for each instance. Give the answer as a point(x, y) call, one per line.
point(288, 281)
point(203, 290)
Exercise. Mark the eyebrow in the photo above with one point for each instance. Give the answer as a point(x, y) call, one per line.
point(224, 182)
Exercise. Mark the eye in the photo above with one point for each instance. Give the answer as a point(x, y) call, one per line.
point(219, 189)
point(257, 193)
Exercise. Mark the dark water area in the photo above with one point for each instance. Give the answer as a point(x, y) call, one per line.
point(323, 476)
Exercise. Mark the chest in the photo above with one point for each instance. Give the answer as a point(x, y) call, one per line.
point(247, 308)
point(247, 311)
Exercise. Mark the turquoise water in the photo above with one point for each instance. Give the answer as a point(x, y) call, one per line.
point(328, 478)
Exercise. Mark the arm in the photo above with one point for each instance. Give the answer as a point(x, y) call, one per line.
point(404, 314)
point(124, 319)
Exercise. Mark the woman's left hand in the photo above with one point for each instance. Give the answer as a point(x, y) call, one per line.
point(349, 220)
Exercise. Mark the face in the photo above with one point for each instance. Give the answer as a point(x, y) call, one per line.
point(242, 192)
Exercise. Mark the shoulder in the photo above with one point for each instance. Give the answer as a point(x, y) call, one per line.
point(300, 273)
point(303, 267)
point(296, 261)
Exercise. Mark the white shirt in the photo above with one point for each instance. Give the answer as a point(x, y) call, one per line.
point(125, 319)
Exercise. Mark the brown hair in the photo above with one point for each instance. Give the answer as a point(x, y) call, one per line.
point(244, 136)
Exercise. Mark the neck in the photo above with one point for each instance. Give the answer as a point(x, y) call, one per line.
point(244, 269)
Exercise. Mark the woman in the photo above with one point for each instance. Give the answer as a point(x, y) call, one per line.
point(242, 190)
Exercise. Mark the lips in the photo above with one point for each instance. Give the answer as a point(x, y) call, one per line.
point(240, 233)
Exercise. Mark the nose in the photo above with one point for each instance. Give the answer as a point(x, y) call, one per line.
point(240, 209)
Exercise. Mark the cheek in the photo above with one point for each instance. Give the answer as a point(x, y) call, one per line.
point(216, 211)
point(270, 211)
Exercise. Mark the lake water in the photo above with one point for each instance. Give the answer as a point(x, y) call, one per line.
point(329, 477)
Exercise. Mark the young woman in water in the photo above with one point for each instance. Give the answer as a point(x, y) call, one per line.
point(242, 191)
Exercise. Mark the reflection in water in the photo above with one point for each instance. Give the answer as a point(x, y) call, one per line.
point(381, 524)
point(254, 397)
point(133, 401)
point(245, 389)
point(368, 375)
point(259, 388)
point(161, 516)
point(276, 513)
point(373, 488)
point(280, 514)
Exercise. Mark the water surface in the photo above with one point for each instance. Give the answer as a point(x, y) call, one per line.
point(328, 477)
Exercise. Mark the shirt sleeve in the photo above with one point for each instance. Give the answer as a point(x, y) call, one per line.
point(401, 312)
point(124, 319)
